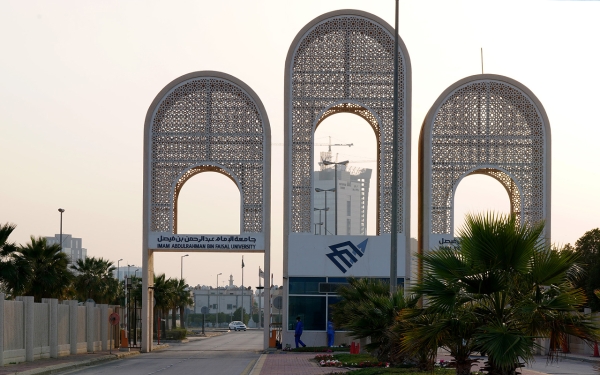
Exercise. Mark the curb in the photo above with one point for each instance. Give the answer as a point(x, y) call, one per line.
point(74, 365)
point(48, 370)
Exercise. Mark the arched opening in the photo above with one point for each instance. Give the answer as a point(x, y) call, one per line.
point(479, 193)
point(208, 203)
point(345, 135)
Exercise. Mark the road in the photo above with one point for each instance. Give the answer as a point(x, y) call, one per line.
point(564, 366)
point(231, 353)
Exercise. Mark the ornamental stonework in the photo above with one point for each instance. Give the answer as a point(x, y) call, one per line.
point(345, 63)
point(206, 124)
point(488, 127)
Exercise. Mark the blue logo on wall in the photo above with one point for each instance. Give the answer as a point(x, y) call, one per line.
point(345, 252)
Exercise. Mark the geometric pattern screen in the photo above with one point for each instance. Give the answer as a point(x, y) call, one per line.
point(345, 64)
point(207, 124)
point(488, 127)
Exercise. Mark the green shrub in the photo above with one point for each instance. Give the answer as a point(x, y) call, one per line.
point(176, 334)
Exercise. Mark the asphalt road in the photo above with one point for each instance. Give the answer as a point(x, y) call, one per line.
point(564, 366)
point(231, 353)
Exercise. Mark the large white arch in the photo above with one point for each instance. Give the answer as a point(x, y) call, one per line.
point(487, 124)
point(343, 61)
point(204, 121)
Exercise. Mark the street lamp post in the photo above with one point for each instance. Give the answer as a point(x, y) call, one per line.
point(61, 210)
point(318, 190)
point(183, 256)
point(217, 319)
point(335, 164)
point(118, 270)
point(126, 314)
point(321, 221)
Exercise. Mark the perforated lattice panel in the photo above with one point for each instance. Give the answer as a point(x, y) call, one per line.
point(346, 59)
point(202, 122)
point(487, 127)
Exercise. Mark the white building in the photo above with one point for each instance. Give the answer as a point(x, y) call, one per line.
point(70, 246)
point(352, 190)
point(224, 299)
point(121, 272)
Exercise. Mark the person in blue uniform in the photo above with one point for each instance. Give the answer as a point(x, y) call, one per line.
point(330, 333)
point(298, 332)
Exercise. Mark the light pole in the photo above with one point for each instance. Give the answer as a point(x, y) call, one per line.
point(183, 256)
point(326, 208)
point(321, 221)
point(61, 210)
point(126, 314)
point(327, 162)
point(217, 319)
point(118, 270)
point(394, 218)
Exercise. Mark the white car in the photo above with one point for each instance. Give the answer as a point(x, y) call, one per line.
point(236, 325)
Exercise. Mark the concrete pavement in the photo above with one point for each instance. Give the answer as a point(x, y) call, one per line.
point(269, 363)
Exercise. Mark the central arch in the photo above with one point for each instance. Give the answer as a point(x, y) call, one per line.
point(342, 61)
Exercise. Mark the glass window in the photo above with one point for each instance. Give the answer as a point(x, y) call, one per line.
point(310, 309)
point(305, 285)
point(229, 306)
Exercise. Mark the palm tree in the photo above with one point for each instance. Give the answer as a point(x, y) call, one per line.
point(162, 295)
point(94, 279)
point(7, 268)
point(505, 287)
point(43, 271)
point(182, 299)
point(368, 310)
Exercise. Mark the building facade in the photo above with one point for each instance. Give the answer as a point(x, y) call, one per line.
point(70, 245)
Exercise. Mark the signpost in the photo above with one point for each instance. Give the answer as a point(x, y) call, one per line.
point(113, 319)
point(204, 310)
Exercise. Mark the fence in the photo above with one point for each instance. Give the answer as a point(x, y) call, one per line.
point(31, 330)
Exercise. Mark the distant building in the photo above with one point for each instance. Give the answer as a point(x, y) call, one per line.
point(353, 198)
point(223, 299)
point(70, 246)
point(122, 272)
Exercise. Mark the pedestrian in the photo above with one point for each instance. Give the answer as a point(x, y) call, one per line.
point(298, 332)
point(330, 333)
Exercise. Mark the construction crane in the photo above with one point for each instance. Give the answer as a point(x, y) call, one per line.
point(329, 145)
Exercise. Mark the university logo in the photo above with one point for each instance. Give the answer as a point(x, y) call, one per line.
point(346, 253)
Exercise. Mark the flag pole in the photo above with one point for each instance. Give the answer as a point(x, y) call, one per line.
point(243, 290)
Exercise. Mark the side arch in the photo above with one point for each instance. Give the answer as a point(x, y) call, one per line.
point(204, 121)
point(484, 123)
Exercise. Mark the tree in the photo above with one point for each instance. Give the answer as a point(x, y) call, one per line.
point(162, 295)
point(8, 272)
point(182, 299)
point(43, 271)
point(505, 286)
point(588, 248)
point(368, 310)
point(94, 280)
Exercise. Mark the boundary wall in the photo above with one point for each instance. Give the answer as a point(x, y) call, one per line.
point(31, 330)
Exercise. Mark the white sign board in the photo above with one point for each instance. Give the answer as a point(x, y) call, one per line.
point(360, 256)
point(246, 242)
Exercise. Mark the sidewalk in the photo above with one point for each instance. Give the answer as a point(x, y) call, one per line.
point(67, 363)
point(280, 362)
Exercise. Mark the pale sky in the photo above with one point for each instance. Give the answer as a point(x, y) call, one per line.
point(76, 80)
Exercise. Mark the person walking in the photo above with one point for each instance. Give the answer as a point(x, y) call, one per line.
point(298, 332)
point(330, 333)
